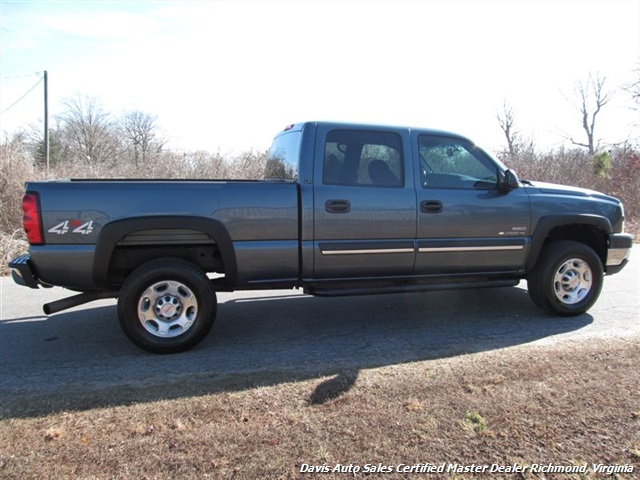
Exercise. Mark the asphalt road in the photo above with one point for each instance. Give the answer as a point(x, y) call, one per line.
point(283, 335)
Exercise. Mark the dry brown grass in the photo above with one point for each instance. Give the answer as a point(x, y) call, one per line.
point(11, 245)
point(563, 404)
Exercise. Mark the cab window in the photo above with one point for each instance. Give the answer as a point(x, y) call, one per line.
point(447, 162)
point(363, 158)
point(282, 163)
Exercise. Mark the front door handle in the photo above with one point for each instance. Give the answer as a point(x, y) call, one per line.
point(337, 206)
point(431, 206)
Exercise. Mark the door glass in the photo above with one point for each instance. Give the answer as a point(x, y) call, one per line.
point(359, 158)
point(454, 163)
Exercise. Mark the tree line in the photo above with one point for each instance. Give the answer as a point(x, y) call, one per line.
point(88, 141)
point(85, 134)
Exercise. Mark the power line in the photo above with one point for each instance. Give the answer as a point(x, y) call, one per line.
point(11, 77)
point(18, 101)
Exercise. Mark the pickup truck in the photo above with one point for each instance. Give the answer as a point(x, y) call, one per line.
point(344, 209)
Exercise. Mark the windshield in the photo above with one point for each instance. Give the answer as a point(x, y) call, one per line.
point(282, 163)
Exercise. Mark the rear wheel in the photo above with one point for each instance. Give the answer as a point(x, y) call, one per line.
point(567, 279)
point(167, 306)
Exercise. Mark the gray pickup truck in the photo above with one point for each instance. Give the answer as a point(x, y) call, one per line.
point(344, 209)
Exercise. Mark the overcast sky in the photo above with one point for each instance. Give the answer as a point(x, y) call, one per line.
point(229, 74)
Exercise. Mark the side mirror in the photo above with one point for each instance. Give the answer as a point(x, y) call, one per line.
point(508, 181)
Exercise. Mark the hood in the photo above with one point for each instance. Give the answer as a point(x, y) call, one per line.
point(556, 189)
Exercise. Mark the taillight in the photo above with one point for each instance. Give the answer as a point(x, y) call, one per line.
point(31, 218)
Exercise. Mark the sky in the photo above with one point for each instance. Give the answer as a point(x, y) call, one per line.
point(226, 75)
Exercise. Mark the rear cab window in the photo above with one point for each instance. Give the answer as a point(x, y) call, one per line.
point(283, 160)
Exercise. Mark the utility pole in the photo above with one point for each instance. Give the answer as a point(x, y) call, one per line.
point(46, 119)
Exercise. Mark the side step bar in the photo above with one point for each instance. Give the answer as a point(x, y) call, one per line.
point(407, 288)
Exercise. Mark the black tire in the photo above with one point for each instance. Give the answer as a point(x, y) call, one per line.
point(167, 306)
point(567, 279)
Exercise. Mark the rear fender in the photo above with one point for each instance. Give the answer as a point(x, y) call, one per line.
point(112, 232)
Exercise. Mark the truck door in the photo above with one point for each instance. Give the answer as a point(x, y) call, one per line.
point(465, 222)
point(364, 204)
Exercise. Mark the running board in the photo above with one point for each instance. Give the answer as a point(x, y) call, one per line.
point(407, 288)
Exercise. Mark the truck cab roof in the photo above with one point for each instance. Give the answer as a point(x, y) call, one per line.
point(299, 126)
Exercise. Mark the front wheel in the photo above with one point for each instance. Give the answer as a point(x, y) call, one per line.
point(167, 306)
point(567, 279)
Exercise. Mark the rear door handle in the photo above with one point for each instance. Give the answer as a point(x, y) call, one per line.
point(337, 206)
point(431, 206)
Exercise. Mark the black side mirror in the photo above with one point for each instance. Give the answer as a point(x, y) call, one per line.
point(508, 181)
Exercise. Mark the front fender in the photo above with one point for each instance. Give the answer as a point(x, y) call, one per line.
point(547, 223)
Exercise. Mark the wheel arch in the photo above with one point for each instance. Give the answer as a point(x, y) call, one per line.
point(113, 232)
point(591, 230)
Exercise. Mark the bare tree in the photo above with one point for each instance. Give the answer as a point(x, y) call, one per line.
point(140, 132)
point(591, 97)
point(506, 120)
point(87, 132)
point(633, 89)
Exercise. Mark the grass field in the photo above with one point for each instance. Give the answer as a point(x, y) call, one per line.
point(566, 405)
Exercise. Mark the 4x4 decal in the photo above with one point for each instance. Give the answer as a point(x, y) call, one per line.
point(73, 226)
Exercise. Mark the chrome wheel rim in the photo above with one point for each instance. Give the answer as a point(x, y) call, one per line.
point(573, 281)
point(167, 309)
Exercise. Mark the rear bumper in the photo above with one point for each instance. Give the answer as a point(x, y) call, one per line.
point(23, 272)
point(618, 253)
